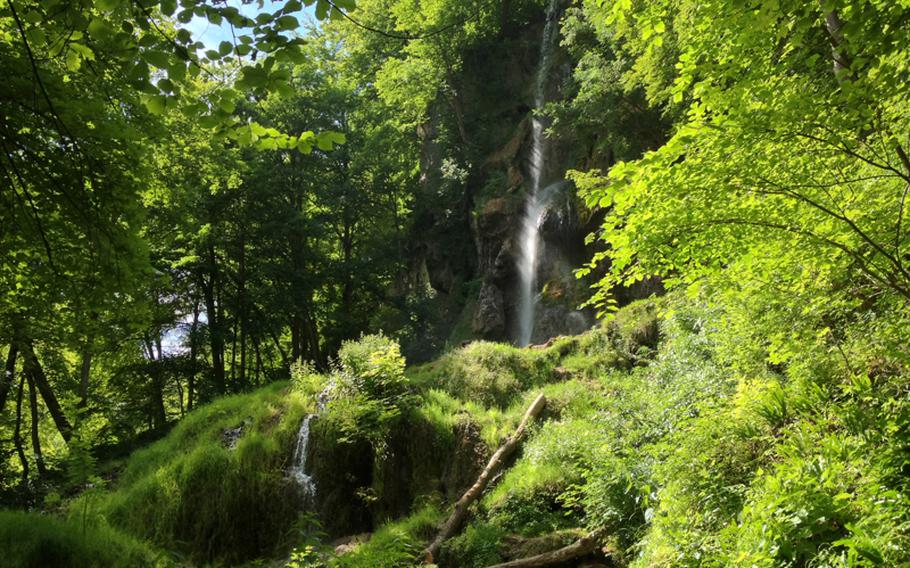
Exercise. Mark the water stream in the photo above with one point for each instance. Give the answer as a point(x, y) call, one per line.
point(538, 199)
point(298, 464)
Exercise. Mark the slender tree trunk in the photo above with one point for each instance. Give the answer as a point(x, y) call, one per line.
point(84, 376)
point(281, 352)
point(311, 331)
point(191, 380)
point(17, 432)
point(296, 352)
point(36, 438)
point(214, 323)
point(9, 373)
point(179, 384)
point(258, 360)
point(234, 354)
point(156, 411)
point(834, 26)
point(32, 368)
point(241, 285)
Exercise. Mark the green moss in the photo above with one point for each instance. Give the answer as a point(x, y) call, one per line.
point(477, 547)
point(493, 374)
point(29, 540)
point(395, 545)
point(188, 492)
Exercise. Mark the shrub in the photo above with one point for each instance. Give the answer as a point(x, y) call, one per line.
point(369, 389)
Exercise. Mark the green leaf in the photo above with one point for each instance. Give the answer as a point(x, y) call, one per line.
point(156, 104)
point(99, 29)
point(159, 59)
point(107, 5)
point(225, 47)
point(168, 7)
point(287, 23)
point(322, 9)
point(328, 140)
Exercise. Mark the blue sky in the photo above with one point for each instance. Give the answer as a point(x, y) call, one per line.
point(211, 35)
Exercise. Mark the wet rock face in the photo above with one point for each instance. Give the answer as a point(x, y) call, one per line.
point(490, 316)
point(468, 459)
point(342, 473)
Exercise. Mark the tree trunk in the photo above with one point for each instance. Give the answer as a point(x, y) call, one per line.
point(9, 373)
point(214, 321)
point(258, 360)
point(234, 355)
point(32, 368)
point(834, 26)
point(191, 379)
point(84, 376)
point(17, 432)
point(241, 296)
point(582, 547)
point(36, 438)
point(156, 412)
point(454, 522)
point(312, 336)
point(295, 340)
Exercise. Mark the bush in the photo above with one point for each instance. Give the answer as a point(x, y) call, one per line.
point(369, 389)
point(373, 365)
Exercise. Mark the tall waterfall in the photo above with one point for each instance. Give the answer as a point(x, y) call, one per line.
point(535, 206)
point(298, 464)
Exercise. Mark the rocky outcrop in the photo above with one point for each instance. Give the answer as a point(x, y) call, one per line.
point(490, 316)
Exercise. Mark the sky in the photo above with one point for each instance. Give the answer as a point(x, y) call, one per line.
point(211, 35)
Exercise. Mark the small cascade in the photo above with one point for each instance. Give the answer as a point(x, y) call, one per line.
point(298, 465)
point(538, 200)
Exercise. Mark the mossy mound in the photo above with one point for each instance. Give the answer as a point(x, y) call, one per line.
point(211, 498)
point(30, 540)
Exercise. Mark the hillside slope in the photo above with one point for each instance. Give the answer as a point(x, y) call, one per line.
point(650, 436)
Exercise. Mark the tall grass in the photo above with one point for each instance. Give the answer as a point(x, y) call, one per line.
point(30, 540)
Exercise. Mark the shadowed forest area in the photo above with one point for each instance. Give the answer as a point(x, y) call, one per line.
point(455, 283)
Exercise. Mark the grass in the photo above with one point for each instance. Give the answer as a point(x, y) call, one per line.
point(31, 540)
point(395, 545)
point(191, 494)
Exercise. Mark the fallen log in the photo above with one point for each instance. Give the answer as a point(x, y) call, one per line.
point(453, 523)
point(581, 547)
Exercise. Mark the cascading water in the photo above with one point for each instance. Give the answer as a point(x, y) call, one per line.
point(298, 464)
point(537, 201)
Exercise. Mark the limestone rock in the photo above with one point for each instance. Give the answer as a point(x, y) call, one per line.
point(490, 317)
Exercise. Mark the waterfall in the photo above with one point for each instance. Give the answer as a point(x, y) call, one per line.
point(298, 464)
point(537, 201)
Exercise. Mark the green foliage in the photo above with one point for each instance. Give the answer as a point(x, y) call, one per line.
point(368, 390)
point(30, 540)
point(394, 545)
point(491, 373)
point(477, 547)
point(188, 491)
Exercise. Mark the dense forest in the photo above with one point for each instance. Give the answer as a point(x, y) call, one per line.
point(456, 283)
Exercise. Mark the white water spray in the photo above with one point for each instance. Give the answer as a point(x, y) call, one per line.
point(536, 205)
point(298, 465)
